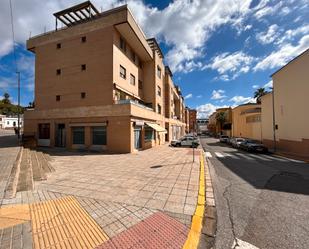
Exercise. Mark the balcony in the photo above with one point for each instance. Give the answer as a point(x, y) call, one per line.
point(133, 102)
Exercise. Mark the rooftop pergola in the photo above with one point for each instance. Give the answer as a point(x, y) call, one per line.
point(155, 46)
point(76, 14)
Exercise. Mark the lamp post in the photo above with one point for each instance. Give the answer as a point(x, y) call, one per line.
point(18, 110)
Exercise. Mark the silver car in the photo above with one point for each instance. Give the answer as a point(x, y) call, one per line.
point(237, 141)
point(186, 141)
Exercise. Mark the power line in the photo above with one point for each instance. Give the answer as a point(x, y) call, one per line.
point(13, 35)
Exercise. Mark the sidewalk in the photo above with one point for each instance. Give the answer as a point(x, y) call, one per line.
point(123, 196)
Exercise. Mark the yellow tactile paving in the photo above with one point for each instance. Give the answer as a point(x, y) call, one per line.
point(197, 219)
point(14, 215)
point(63, 223)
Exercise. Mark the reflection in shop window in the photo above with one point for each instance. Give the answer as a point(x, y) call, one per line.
point(78, 135)
point(99, 135)
point(149, 134)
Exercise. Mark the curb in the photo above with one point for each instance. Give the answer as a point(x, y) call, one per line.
point(194, 235)
point(209, 230)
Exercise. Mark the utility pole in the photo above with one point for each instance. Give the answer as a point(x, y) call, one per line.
point(18, 110)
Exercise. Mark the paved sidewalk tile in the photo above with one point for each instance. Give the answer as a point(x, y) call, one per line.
point(157, 231)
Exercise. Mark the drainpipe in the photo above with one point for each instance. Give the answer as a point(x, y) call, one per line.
point(274, 120)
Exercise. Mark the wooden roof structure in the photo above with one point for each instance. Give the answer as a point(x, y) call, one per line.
point(76, 14)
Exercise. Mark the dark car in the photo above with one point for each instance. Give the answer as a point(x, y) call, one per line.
point(253, 146)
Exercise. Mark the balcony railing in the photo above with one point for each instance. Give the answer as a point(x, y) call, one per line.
point(133, 102)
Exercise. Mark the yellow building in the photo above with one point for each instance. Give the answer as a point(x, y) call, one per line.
point(246, 121)
point(100, 84)
point(289, 126)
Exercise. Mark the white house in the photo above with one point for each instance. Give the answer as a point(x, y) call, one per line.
point(10, 122)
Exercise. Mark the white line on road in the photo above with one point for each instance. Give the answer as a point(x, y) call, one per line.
point(208, 154)
point(218, 154)
point(243, 245)
point(260, 157)
point(244, 156)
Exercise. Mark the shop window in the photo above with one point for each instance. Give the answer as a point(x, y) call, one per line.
point(78, 135)
point(44, 131)
point(149, 134)
point(132, 79)
point(99, 135)
point(123, 72)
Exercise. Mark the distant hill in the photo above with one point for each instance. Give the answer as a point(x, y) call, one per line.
point(7, 108)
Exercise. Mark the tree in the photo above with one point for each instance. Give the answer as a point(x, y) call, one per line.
point(6, 98)
point(259, 93)
point(221, 118)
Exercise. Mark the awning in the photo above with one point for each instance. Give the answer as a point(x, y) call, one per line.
point(156, 127)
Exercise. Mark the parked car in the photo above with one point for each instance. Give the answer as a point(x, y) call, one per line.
point(224, 138)
point(186, 141)
point(253, 146)
point(236, 141)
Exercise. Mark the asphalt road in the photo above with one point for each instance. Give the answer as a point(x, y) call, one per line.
point(262, 200)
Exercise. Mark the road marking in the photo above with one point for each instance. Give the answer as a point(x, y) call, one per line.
point(260, 157)
point(240, 244)
point(244, 156)
point(275, 158)
point(230, 155)
point(208, 154)
point(218, 154)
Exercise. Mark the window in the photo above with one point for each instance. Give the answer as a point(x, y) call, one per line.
point(133, 56)
point(123, 73)
point(123, 44)
point(58, 98)
point(99, 135)
point(159, 109)
point(148, 133)
point(159, 91)
point(140, 63)
point(14, 123)
point(83, 39)
point(83, 95)
point(78, 135)
point(58, 71)
point(58, 45)
point(140, 84)
point(159, 72)
point(132, 79)
point(44, 131)
point(83, 67)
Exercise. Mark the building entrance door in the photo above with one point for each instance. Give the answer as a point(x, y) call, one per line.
point(137, 138)
point(60, 135)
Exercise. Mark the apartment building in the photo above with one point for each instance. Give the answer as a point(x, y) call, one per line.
point(285, 119)
point(192, 120)
point(100, 84)
point(246, 121)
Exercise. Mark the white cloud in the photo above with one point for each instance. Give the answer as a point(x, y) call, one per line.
point(199, 96)
point(264, 9)
point(188, 96)
point(230, 65)
point(292, 33)
point(205, 110)
point(285, 53)
point(255, 86)
point(269, 36)
point(238, 100)
point(268, 85)
point(183, 25)
point(218, 94)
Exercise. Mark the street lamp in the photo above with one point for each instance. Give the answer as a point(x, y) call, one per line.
point(18, 109)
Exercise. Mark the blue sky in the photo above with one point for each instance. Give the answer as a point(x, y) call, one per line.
point(220, 51)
